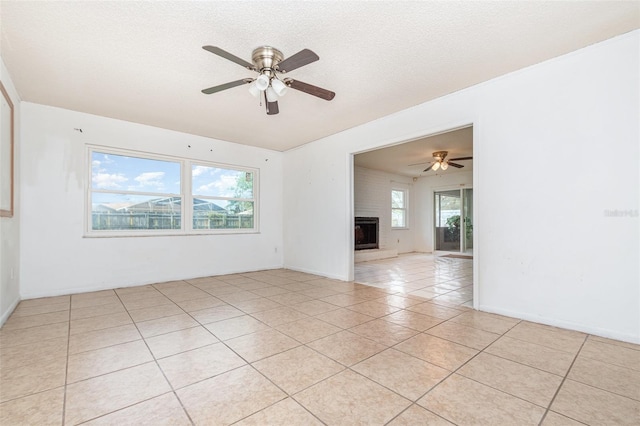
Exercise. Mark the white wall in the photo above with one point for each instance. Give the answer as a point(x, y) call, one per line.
point(424, 189)
point(57, 259)
point(372, 198)
point(10, 226)
point(556, 257)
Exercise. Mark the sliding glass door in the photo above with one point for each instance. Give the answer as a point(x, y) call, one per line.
point(454, 220)
point(467, 207)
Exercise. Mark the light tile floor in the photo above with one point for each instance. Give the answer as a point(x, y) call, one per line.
point(283, 347)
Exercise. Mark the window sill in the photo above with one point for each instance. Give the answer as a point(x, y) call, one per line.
point(176, 234)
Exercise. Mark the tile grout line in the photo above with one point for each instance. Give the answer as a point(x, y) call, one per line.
point(564, 379)
point(420, 407)
point(300, 345)
point(503, 391)
point(287, 395)
point(602, 389)
point(538, 344)
point(247, 363)
point(157, 365)
point(153, 355)
point(420, 332)
point(454, 372)
point(518, 362)
point(312, 298)
point(349, 367)
point(66, 369)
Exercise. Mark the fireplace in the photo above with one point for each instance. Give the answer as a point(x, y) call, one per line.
point(366, 232)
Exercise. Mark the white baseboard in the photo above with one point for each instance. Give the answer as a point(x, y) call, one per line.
point(320, 274)
point(374, 254)
point(9, 311)
point(87, 289)
point(596, 331)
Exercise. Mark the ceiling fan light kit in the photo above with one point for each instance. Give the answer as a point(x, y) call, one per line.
point(440, 162)
point(279, 87)
point(269, 62)
point(262, 82)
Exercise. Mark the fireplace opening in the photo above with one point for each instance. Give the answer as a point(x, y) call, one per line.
point(366, 233)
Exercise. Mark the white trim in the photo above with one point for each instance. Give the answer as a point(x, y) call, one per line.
point(569, 325)
point(351, 220)
point(320, 274)
point(86, 289)
point(9, 311)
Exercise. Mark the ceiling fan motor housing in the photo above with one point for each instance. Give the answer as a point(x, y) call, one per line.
point(266, 58)
point(440, 155)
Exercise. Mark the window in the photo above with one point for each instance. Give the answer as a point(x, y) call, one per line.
point(398, 208)
point(222, 198)
point(141, 194)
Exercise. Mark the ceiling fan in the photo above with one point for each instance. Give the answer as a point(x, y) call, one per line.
point(440, 162)
point(268, 62)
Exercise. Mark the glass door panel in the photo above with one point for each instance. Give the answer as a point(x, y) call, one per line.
point(448, 207)
point(468, 220)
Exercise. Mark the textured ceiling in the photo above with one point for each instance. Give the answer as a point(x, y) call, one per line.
point(143, 61)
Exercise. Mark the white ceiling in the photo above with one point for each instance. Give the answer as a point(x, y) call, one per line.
point(142, 61)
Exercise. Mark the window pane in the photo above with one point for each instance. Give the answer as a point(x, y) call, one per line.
point(449, 204)
point(397, 199)
point(121, 173)
point(222, 214)
point(217, 182)
point(112, 211)
point(397, 218)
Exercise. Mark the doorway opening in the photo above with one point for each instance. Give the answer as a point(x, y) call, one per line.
point(430, 255)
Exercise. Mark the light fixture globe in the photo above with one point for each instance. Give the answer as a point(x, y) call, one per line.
point(272, 96)
point(279, 87)
point(436, 166)
point(444, 165)
point(262, 82)
point(253, 89)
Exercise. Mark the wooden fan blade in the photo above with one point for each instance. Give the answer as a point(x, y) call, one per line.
point(455, 165)
point(461, 158)
point(272, 108)
point(233, 58)
point(225, 86)
point(417, 164)
point(300, 59)
point(428, 168)
point(321, 93)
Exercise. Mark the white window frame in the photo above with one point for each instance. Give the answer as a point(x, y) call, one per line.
point(404, 208)
point(186, 194)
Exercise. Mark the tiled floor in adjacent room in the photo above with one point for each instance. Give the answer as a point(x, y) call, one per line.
point(287, 348)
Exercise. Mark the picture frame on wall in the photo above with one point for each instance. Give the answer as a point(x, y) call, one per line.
point(6, 154)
